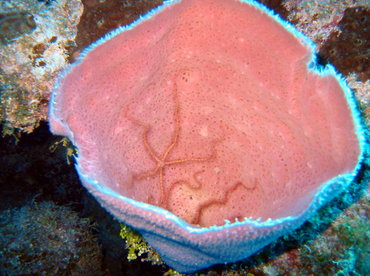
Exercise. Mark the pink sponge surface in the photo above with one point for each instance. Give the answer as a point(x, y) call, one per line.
point(207, 110)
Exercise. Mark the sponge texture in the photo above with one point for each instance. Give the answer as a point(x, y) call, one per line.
point(196, 114)
point(212, 111)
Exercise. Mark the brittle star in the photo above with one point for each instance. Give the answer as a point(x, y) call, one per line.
point(162, 161)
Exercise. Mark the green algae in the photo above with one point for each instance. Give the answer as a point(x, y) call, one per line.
point(137, 247)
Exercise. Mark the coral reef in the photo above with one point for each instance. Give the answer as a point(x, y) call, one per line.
point(318, 18)
point(29, 60)
point(15, 24)
point(35, 37)
point(250, 134)
point(361, 91)
point(348, 48)
point(46, 239)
